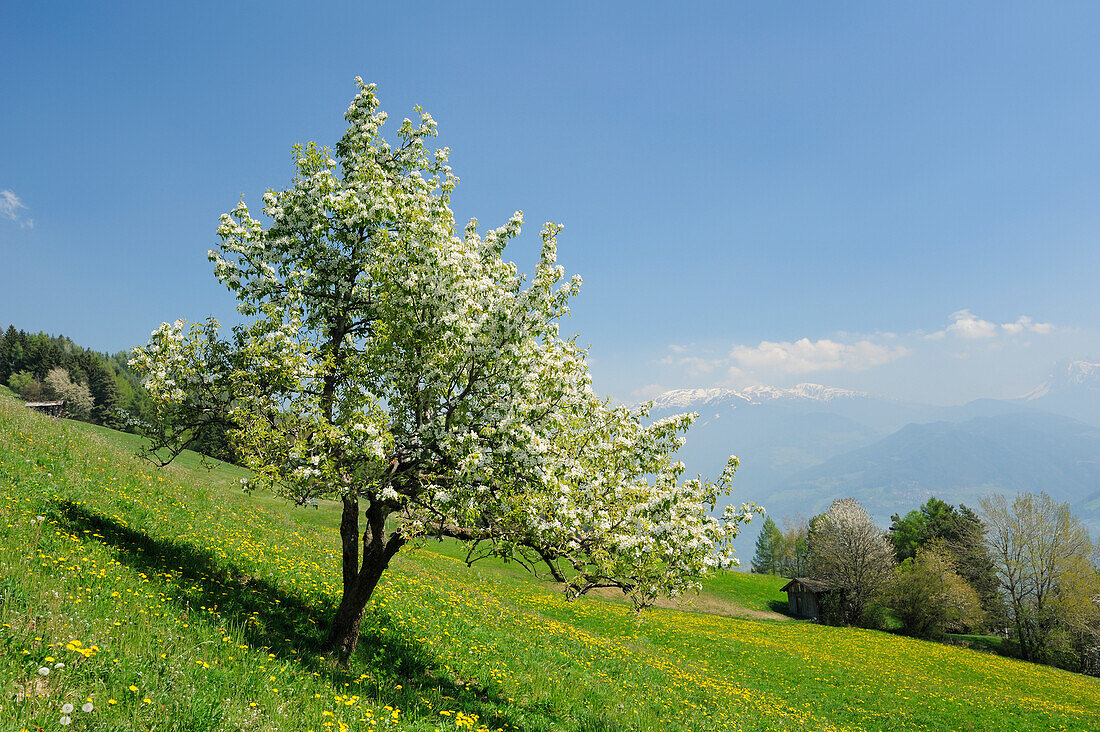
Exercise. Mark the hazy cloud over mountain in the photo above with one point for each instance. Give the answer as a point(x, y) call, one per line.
point(969, 357)
point(805, 356)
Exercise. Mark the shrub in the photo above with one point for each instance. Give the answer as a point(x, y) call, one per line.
point(930, 598)
point(25, 385)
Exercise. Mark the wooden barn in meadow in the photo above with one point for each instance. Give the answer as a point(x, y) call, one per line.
point(804, 596)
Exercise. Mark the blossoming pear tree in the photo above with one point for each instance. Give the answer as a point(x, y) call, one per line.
point(409, 372)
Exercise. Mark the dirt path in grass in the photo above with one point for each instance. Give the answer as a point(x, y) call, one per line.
point(701, 603)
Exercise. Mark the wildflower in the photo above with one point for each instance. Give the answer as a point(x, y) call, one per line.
point(88, 707)
point(43, 671)
point(66, 708)
point(133, 688)
point(66, 721)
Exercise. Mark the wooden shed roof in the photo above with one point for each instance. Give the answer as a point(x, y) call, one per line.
point(812, 585)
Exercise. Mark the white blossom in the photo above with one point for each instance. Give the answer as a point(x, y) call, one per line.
point(390, 356)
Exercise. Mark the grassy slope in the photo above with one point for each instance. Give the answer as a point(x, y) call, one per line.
point(204, 608)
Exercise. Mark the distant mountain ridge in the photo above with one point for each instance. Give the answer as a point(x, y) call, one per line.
point(803, 446)
point(959, 462)
point(719, 396)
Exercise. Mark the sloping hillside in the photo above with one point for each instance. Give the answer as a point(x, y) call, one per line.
point(168, 600)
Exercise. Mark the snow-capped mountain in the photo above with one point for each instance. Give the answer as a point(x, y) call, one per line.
point(777, 431)
point(1083, 373)
point(692, 398)
point(1072, 388)
point(1075, 374)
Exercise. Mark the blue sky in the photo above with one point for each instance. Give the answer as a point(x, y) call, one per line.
point(861, 195)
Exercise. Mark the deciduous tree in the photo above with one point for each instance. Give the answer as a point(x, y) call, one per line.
point(406, 369)
point(1041, 551)
point(796, 549)
point(853, 557)
point(78, 399)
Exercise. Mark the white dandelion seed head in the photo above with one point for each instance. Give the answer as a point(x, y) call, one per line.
point(43, 671)
point(88, 707)
point(66, 708)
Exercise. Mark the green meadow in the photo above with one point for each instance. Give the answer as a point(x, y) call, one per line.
point(170, 600)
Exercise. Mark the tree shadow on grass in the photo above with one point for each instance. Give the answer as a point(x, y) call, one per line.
point(285, 625)
point(780, 606)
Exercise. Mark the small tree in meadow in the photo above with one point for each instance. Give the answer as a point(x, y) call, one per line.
point(401, 366)
point(769, 549)
point(853, 556)
point(77, 397)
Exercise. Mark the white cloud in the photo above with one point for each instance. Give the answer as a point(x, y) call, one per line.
point(804, 356)
point(11, 206)
point(774, 362)
point(1025, 323)
point(970, 326)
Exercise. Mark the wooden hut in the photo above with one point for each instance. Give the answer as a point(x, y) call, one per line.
point(804, 596)
point(54, 409)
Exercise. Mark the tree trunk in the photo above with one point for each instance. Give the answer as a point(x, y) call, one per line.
point(359, 582)
point(344, 633)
